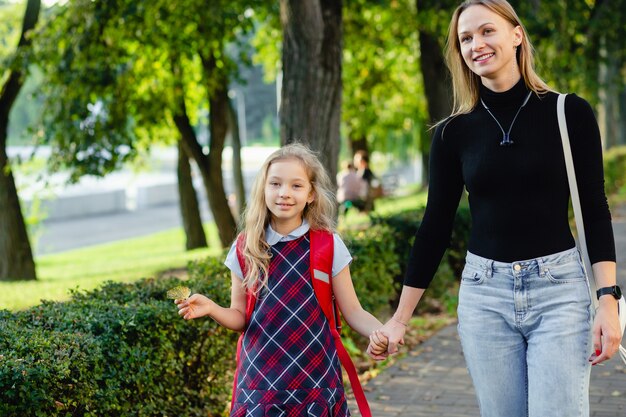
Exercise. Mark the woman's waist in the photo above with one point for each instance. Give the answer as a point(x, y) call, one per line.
point(524, 264)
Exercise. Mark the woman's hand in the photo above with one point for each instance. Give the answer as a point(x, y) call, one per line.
point(394, 332)
point(605, 331)
point(195, 306)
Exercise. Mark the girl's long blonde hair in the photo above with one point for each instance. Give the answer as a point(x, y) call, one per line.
point(320, 213)
point(465, 83)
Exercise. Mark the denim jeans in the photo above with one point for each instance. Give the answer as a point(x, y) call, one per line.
point(525, 329)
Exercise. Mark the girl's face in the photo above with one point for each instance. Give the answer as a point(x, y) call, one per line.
point(287, 191)
point(488, 45)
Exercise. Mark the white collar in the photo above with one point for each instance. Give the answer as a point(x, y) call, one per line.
point(272, 237)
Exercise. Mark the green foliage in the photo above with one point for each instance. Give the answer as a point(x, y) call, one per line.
point(11, 15)
point(441, 293)
point(615, 170)
point(583, 35)
point(118, 71)
point(122, 350)
point(383, 95)
point(374, 264)
point(46, 373)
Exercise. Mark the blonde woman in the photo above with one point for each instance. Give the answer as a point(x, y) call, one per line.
point(289, 364)
point(525, 318)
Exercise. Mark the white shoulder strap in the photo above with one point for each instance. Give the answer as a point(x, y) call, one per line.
point(573, 188)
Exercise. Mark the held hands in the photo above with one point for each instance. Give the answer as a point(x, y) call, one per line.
point(378, 346)
point(606, 334)
point(195, 306)
point(385, 341)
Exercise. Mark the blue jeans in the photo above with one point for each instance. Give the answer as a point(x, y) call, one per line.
point(525, 329)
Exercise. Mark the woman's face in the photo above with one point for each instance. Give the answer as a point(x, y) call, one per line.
point(488, 44)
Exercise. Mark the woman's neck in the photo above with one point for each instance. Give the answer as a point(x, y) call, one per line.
point(503, 83)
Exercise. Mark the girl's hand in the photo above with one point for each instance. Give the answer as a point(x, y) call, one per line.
point(378, 346)
point(195, 306)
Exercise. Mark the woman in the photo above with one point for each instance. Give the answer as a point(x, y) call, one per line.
point(524, 312)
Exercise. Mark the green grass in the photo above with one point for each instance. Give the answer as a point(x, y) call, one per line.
point(90, 267)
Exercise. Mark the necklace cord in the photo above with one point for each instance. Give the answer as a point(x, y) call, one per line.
point(506, 140)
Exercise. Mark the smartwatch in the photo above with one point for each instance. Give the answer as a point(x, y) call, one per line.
point(615, 291)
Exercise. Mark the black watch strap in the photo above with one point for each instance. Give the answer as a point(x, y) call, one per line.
point(615, 291)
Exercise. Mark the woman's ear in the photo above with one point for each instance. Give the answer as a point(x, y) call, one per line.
point(518, 35)
point(311, 197)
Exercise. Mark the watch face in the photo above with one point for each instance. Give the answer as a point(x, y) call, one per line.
point(618, 292)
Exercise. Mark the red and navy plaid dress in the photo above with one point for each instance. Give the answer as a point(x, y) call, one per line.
point(289, 365)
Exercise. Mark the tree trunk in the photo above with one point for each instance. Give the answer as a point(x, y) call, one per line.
point(189, 211)
point(240, 190)
point(210, 165)
point(310, 109)
point(16, 256)
point(214, 188)
point(358, 144)
point(621, 138)
point(608, 109)
point(437, 89)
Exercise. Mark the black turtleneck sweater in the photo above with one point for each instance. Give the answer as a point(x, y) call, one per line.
point(518, 194)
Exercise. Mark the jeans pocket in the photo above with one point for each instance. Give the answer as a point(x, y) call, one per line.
point(472, 275)
point(569, 272)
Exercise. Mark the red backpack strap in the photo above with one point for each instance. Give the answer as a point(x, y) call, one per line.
point(250, 303)
point(322, 249)
point(321, 268)
point(250, 297)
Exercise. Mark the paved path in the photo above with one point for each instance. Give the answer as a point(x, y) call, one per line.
point(433, 381)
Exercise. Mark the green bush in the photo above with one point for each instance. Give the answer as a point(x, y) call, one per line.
point(374, 265)
point(443, 290)
point(615, 170)
point(142, 359)
point(46, 373)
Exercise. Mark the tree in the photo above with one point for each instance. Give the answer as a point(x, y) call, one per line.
point(311, 89)
point(233, 127)
point(122, 55)
point(432, 22)
point(383, 106)
point(16, 257)
point(188, 200)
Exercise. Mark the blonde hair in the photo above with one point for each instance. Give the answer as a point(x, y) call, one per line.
point(465, 83)
point(320, 213)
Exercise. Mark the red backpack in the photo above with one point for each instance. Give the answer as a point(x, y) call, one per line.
point(321, 265)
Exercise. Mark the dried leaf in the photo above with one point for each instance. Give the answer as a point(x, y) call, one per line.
point(179, 293)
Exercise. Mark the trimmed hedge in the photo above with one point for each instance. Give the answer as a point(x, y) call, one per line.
point(118, 351)
point(443, 290)
point(123, 350)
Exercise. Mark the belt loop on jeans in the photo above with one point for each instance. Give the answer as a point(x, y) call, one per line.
point(542, 267)
point(489, 268)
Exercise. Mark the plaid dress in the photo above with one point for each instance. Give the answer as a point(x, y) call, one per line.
point(289, 365)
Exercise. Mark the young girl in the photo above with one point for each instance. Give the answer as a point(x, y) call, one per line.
point(288, 364)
